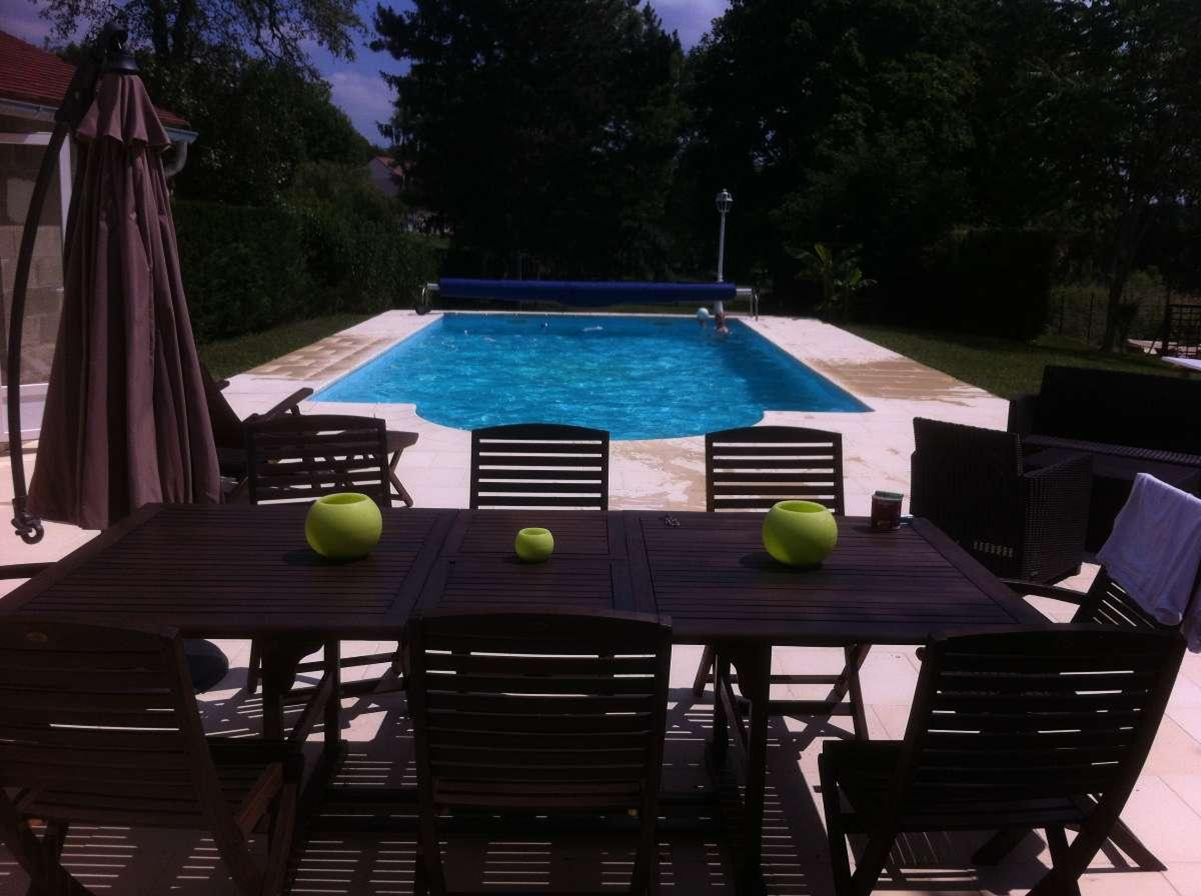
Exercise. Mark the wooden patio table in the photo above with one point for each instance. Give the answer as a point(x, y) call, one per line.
point(241, 571)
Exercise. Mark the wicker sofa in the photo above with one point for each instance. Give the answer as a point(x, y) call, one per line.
point(1022, 524)
point(1127, 423)
point(1134, 415)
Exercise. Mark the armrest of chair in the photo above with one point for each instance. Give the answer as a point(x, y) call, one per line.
point(1034, 589)
point(22, 570)
point(291, 403)
point(1022, 413)
point(1068, 480)
point(1055, 503)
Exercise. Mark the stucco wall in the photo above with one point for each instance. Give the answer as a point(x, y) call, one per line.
point(18, 170)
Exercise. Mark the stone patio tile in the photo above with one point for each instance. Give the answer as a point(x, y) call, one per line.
point(1126, 883)
point(1163, 821)
point(1189, 718)
point(1185, 877)
point(1174, 750)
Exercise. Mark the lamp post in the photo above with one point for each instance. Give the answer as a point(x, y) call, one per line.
point(723, 201)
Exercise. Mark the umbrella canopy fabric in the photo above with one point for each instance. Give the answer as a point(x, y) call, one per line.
point(125, 422)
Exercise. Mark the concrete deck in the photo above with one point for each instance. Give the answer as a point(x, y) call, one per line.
point(1165, 810)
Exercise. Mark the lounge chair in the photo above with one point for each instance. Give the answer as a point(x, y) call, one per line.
point(230, 436)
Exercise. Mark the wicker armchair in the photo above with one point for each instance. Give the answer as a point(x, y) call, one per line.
point(969, 482)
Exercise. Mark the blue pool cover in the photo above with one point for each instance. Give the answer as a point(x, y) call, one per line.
point(584, 293)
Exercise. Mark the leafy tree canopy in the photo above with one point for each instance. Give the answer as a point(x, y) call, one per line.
point(1108, 104)
point(185, 30)
point(840, 120)
point(544, 133)
point(259, 122)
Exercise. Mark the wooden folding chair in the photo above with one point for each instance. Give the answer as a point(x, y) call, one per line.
point(1017, 729)
point(301, 458)
point(1105, 603)
point(537, 713)
point(540, 465)
point(751, 468)
point(99, 725)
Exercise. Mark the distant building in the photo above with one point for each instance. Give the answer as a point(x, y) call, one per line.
point(391, 178)
point(32, 85)
point(386, 175)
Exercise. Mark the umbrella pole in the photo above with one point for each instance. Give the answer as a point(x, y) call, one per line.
point(28, 526)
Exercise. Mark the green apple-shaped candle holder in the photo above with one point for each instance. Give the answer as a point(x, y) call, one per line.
point(800, 533)
point(343, 526)
point(534, 545)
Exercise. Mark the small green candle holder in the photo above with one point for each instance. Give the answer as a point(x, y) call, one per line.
point(800, 533)
point(534, 545)
point(344, 526)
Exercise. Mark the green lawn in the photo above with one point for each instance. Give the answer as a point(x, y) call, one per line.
point(225, 357)
point(1001, 366)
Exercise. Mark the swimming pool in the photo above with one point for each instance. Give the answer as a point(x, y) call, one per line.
point(638, 377)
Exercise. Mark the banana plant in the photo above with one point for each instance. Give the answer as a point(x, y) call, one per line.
point(838, 274)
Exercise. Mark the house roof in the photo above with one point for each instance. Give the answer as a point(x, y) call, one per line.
point(391, 164)
point(31, 75)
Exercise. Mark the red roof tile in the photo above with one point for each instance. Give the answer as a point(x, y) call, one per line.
point(32, 75)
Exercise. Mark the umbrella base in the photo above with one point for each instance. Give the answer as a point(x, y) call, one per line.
point(206, 663)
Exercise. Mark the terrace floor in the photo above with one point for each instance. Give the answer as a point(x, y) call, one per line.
point(1165, 809)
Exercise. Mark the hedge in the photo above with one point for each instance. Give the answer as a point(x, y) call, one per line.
point(994, 282)
point(248, 268)
point(243, 269)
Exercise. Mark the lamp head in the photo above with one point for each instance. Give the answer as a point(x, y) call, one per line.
point(724, 201)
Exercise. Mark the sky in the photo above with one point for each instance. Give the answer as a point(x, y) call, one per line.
point(356, 85)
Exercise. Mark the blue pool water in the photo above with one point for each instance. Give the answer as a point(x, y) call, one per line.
point(638, 377)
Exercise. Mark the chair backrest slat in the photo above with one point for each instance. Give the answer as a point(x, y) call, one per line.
point(540, 711)
point(1108, 603)
point(540, 465)
point(298, 457)
point(1034, 714)
point(753, 467)
point(101, 711)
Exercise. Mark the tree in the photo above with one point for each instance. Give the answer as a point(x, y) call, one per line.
point(544, 133)
point(182, 31)
point(1113, 116)
point(259, 121)
point(844, 119)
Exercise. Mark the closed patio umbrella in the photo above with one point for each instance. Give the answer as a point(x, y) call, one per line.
point(125, 421)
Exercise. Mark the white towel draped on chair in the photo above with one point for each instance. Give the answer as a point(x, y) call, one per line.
point(1154, 551)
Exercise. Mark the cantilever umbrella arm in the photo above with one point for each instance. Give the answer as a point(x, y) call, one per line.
point(107, 53)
